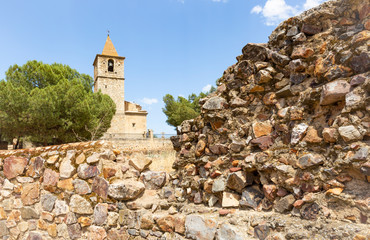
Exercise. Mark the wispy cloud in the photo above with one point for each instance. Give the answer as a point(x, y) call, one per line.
point(149, 101)
point(206, 88)
point(275, 11)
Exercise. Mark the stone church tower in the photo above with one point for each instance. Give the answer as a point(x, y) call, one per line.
point(129, 120)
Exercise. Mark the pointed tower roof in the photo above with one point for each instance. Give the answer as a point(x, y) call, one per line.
point(109, 48)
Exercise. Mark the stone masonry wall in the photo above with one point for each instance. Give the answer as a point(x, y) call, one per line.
point(288, 128)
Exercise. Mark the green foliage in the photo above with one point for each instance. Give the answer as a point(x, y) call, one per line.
point(52, 104)
point(183, 108)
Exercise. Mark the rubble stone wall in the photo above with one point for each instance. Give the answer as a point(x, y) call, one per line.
point(288, 128)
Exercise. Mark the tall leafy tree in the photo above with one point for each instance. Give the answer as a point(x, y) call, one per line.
point(52, 104)
point(182, 108)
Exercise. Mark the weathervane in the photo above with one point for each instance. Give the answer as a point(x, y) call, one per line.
point(108, 32)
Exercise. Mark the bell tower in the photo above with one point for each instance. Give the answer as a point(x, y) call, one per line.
point(109, 79)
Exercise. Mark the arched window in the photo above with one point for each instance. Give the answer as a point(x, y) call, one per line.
point(110, 65)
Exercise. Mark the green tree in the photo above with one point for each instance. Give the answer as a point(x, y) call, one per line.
point(183, 108)
point(52, 104)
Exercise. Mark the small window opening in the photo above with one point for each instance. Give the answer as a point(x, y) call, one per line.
point(110, 65)
point(133, 124)
point(105, 86)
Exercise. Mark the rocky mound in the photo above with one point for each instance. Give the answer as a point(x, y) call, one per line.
point(288, 128)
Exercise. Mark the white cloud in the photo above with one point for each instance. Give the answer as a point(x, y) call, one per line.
point(311, 3)
point(206, 88)
point(149, 101)
point(224, 1)
point(275, 11)
point(257, 9)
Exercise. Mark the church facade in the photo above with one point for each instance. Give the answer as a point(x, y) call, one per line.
point(130, 119)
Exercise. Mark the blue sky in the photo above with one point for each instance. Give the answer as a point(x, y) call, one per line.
point(171, 46)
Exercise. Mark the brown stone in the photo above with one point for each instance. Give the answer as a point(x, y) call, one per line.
point(334, 91)
point(302, 52)
point(109, 172)
point(298, 204)
point(263, 142)
point(335, 191)
point(66, 184)
point(30, 193)
point(218, 149)
point(100, 187)
point(14, 166)
point(179, 224)
point(215, 174)
point(86, 171)
point(270, 191)
point(166, 224)
point(191, 169)
point(146, 223)
point(200, 147)
point(224, 212)
point(50, 178)
point(41, 224)
point(52, 230)
point(330, 135)
point(262, 129)
point(312, 136)
point(309, 160)
point(80, 158)
point(35, 167)
point(269, 98)
point(84, 221)
point(309, 29)
point(2, 214)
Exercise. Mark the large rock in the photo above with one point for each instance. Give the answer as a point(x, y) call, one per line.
point(228, 232)
point(14, 166)
point(66, 169)
point(50, 178)
point(153, 180)
point(255, 52)
point(100, 187)
point(140, 163)
point(310, 160)
point(3, 229)
point(262, 129)
point(334, 91)
point(48, 201)
point(298, 132)
point(80, 205)
point(125, 189)
point(60, 207)
point(230, 199)
point(238, 180)
point(251, 197)
point(349, 133)
point(215, 103)
point(30, 193)
point(199, 229)
point(81, 187)
point(86, 171)
point(100, 213)
point(166, 224)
